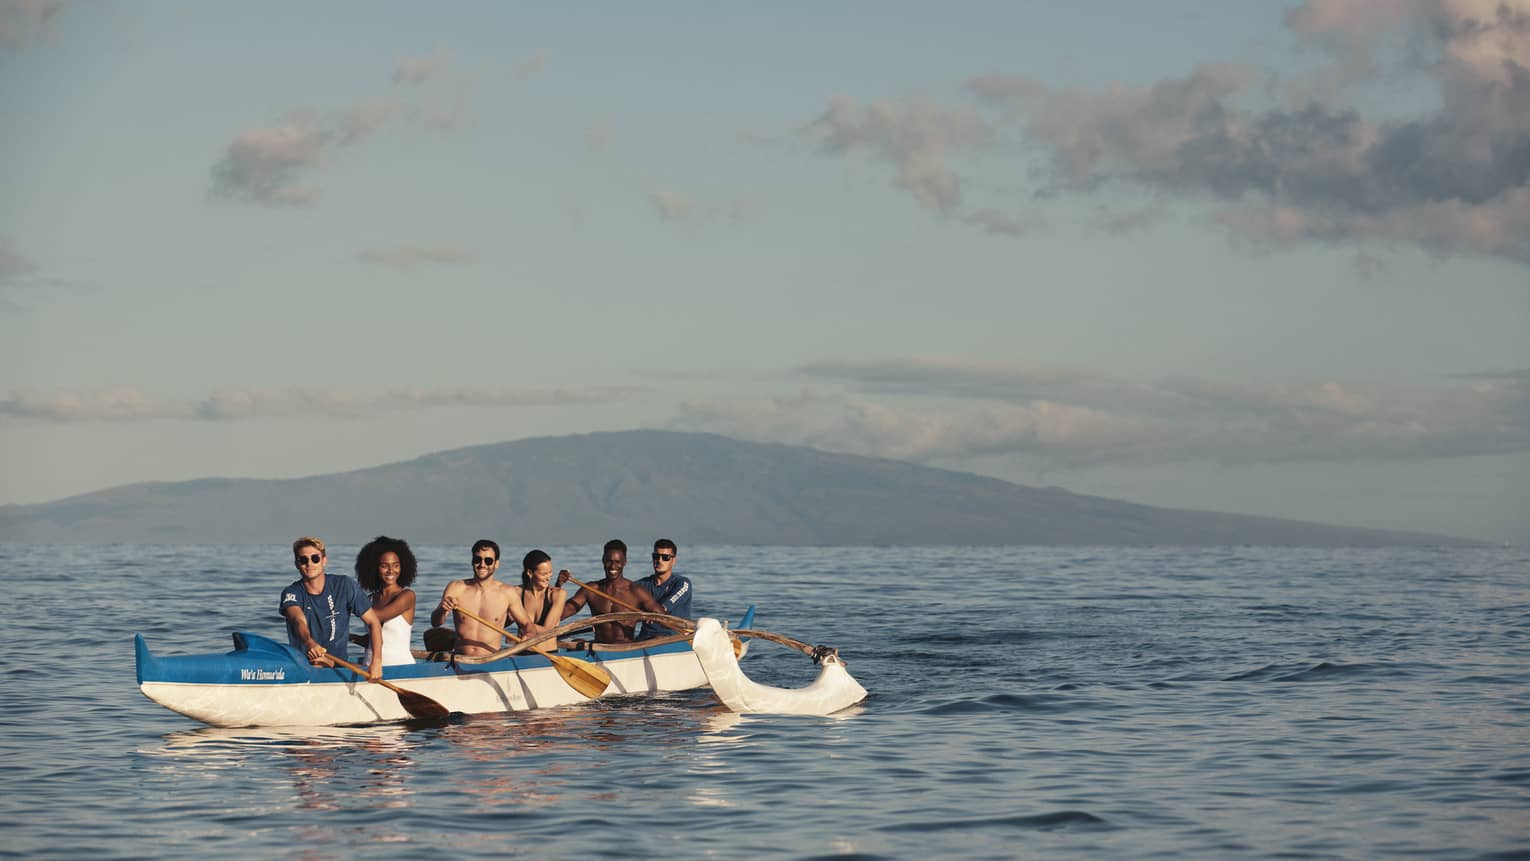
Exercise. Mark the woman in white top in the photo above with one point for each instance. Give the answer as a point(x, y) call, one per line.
point(385, 567)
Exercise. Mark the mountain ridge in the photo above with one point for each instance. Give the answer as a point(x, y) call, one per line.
point(697, 488)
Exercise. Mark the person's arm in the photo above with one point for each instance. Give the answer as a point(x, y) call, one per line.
point(516, 610)
point(374, 630)
point(678, 603)
point(401, 605)
point(297, 623)
point(572, 605)
point(448, 601)
point(644, 600)
point(558, 597)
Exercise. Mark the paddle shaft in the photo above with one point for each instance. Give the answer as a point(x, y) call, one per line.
point(617, 601)
point(471, 615)
point(586, 678)
point(738, 646)
point(362, 671)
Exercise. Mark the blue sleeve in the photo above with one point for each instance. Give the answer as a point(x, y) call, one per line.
point(358, 601)
point(679, 601)
point(289, 599)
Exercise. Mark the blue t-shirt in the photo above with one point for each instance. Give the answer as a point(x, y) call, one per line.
point(674, 595)
point(328, 613)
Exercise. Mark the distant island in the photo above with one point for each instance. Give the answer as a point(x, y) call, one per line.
point(696, 488)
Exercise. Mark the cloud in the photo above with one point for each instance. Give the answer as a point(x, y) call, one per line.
point(419, 68)
point(1454, 179)
point(268, 165)
point(670, 206)
point(1119, 222)
point(531, 66)
point(673, 206)
point(24, 23)
point(997, 223)
point(276, 164)
point(936, 410)
point(14, 266)
point(597, 138)
point(408, 257)
point(918, 138)
point(125, 403)
point(21, 276)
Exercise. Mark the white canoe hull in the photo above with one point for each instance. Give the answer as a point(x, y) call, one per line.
point(267, 683)
point(323, 703)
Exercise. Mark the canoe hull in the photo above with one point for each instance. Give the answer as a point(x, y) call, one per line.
point(266, 683)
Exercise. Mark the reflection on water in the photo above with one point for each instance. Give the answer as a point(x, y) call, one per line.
point(373, 761)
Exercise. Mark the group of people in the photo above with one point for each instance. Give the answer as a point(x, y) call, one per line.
point(318, 606)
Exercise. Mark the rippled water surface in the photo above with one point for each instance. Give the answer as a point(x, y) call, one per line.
point(1036, 702)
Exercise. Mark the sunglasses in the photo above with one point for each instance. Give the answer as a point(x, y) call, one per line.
point(485, 561)
point(314, 559)
point(663, 557)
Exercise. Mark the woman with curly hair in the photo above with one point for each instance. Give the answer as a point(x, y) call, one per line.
point(385, 567)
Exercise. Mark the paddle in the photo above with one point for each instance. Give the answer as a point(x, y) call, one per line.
point(617, 601)
point(738, 647)
point(418, 705)
point(582, 676)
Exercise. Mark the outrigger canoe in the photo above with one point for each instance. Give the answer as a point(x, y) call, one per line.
point(263, 682)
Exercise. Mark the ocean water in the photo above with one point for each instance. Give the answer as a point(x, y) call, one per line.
point(1024, 702)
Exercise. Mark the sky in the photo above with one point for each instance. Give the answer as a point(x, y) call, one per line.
point(1247, 256)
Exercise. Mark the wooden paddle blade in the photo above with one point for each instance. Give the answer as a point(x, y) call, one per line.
point(421, 706)
point(584, 677)
point(418, 705)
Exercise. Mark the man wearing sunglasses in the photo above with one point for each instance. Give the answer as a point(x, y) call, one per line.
point(478, 593)
point(613, 559)
point(670, 590)
point(318, 608)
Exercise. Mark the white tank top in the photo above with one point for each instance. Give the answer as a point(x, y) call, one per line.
point(396, 634)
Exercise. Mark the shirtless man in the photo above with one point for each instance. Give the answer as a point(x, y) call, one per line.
point(613, 558)
point(483, 595)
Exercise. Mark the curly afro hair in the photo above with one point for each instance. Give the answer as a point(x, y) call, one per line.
point(371, 554)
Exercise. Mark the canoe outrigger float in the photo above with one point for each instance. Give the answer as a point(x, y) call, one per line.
point(263, 682)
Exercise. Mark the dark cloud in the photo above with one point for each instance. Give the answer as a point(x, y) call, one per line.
point(1453, 180)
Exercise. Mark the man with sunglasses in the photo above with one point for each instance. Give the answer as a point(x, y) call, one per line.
point(318, 608)
point(670, 590)
point(613, 559)
point(478, 593)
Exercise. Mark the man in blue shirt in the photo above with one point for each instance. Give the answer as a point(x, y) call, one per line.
point(670, 590)
point(318, 608)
